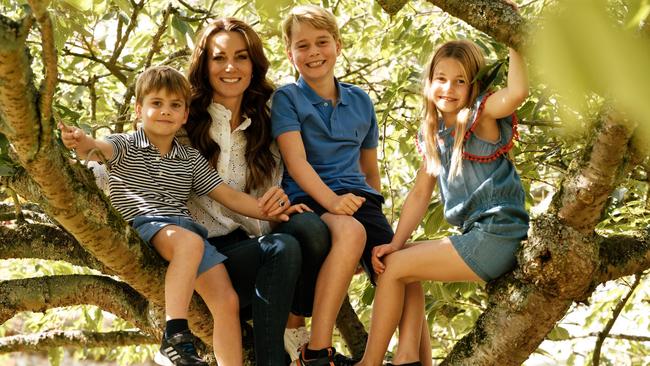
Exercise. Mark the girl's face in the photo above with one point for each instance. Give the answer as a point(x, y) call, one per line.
point(449, 87)
point(313, 51)
point(229, 66)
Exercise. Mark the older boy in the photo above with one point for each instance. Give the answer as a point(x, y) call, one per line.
point(328, 136)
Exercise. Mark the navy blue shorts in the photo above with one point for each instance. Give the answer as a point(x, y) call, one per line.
point(148, 226)
point(370, 215)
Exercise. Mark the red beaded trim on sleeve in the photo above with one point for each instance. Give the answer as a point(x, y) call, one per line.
point(500, 151)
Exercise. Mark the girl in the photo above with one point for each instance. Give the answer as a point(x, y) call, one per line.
point(465, 137)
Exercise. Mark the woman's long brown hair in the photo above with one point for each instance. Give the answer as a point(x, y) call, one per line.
point(259, 159)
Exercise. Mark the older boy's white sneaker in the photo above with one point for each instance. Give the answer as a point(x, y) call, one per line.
point(294, 338)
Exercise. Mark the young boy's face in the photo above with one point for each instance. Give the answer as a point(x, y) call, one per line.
point(313, 51)
point(162, 113)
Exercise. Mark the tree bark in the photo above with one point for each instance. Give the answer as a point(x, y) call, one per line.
point(43, 293)
point(43, 241)
point(496, 18)
point(73, 338)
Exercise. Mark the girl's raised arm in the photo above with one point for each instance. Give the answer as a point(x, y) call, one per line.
point(505, 101)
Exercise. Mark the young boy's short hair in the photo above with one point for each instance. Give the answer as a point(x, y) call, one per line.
point(162, 77)
point(318, 17)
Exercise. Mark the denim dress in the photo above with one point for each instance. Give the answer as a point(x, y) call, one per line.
point(486, 200)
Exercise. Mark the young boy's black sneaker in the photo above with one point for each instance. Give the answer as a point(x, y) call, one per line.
point(416, 363)
point(326, 357)
point(179, 350)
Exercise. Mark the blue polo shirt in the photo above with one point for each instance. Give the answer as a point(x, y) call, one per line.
point(333, 136)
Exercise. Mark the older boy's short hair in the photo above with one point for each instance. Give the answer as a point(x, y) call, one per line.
point(318, 17)
point(162, 77)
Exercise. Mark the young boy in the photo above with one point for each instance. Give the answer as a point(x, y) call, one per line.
point(151, 177)
point(328, 135)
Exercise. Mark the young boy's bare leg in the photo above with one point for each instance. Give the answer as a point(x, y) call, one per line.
point(184, 250)
point(216, 290)
point(348, 240)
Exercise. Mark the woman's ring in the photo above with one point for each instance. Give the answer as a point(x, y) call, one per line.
point(281, 203)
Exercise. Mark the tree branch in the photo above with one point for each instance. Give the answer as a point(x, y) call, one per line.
point(608, 327)
point(587, 187)
point(17, 93)
point(43, 293)
point(496, 18)
point(623, 255)
point(73, 338)
point(518, 317)
point(49, 65)
point(43, 241)
point(353, 332)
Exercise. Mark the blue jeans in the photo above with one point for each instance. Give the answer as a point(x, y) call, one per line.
point(265, 270)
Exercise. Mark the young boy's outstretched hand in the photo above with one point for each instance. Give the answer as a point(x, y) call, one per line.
point(76, 138)
point(71, 137)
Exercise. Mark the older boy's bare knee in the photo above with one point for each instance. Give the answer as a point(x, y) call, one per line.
point(346, 229)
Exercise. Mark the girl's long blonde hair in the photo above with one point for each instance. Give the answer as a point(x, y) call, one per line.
point(469, 55)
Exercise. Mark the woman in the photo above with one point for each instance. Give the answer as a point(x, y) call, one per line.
point(230, 124)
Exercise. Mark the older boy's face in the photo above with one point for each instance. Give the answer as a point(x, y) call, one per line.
point(313, 51)
point(162, 113)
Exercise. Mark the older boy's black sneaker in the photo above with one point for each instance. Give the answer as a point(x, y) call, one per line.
point(326, 357)
point(416, 363)
point(179, 350)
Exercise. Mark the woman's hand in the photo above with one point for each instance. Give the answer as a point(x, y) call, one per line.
point(273, 202)
point(284, 216)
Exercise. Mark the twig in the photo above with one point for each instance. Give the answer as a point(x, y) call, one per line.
point(608, 327)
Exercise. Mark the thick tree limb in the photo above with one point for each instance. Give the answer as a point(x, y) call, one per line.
point(587, 187)
point(353, 332)
point(73, 338)
point(496, 18)
point(43, 241)
point(43, 293)
point(17, 93)
point(518, 317)
point(623, 256)
point(49, 65)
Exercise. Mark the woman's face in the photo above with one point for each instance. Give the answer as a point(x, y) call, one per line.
point(230, 67)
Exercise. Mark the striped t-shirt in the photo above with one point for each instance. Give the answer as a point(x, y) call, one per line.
point(142, 182)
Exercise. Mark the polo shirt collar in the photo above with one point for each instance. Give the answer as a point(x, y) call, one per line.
point(314, 98)
point(141, 141)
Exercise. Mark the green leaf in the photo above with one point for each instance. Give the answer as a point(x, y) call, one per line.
point(82, 5)
point(558, 334)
